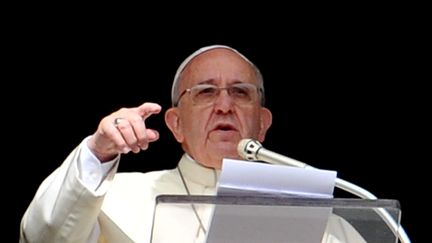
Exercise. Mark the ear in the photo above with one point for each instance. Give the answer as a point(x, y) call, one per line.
point(266, 121)
point(172, 120)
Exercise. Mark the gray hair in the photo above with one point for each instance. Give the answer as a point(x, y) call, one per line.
point(175, 87)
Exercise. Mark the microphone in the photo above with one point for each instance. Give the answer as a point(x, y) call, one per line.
point(251, 149)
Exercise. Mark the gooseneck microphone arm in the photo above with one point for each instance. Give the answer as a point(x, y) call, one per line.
point(251, 149)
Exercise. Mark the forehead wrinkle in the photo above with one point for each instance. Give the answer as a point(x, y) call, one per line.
point(219, 69)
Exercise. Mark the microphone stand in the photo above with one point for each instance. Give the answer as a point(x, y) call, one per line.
point(364, 194)
point(251, 149)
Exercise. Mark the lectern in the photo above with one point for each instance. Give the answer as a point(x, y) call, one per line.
point(270, 218)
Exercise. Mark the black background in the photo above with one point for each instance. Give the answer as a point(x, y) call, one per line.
point(343, 91)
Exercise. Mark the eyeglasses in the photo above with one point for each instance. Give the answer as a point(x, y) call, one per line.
point(202, 94)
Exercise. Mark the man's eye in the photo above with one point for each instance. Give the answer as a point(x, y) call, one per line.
point(238, 91)
point(208, 90)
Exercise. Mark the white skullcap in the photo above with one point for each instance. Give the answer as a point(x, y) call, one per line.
point(192, 56)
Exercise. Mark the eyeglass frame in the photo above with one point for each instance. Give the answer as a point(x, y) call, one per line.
point(260, 91)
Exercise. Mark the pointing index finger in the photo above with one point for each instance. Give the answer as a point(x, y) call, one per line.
point(148, 108)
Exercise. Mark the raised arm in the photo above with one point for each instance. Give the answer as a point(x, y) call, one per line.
point(68, 202)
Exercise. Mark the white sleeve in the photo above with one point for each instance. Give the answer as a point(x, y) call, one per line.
point(91, 171)
point(67, 204)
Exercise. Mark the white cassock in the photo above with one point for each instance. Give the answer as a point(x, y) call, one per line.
point(64, 210)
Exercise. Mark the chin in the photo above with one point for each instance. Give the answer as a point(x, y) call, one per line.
point(227, 147)
point(230, 154)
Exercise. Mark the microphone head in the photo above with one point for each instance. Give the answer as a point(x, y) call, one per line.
point(248, 148)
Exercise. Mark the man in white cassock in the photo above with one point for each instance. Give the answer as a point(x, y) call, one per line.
point(217, 99)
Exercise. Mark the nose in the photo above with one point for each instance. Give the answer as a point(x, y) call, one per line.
point(224, 103)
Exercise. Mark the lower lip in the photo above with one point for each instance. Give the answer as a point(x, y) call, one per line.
point(224, 133)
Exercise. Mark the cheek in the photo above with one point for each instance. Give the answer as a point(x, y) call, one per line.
point(255, 130)
point(194, 123)
point(250, 124)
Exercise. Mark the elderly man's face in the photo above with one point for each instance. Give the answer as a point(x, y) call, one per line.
point(211, 131)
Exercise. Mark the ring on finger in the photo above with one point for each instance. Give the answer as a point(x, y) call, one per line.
point(117, 121)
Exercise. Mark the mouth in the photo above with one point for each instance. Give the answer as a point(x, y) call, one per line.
point(225, 128)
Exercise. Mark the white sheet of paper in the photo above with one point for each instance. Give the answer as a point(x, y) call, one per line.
point(240, 177)
point(268, 223)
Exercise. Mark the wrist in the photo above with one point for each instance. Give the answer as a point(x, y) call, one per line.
point(98, 153)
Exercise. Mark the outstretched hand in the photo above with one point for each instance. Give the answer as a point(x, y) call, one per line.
point(124, 131)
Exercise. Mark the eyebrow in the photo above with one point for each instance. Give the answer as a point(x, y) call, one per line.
point(212, 81)
point(207, 81)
